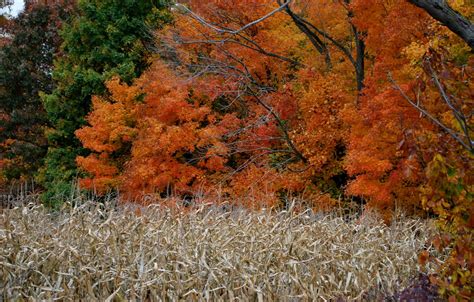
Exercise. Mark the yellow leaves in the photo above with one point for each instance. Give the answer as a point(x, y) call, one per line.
point(121, 92)
point(414, 52)
point(377, 193)
point(465, 7)
point(97, 165)
point(437, 167)
point(447, 194)
point(176, 138)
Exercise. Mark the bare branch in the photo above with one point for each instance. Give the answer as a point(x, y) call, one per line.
point(227, 31)
point(312, 32)
point(468, 146)
point(281, 125)
point(255, 47)
point(245, 74)
point(458, 114)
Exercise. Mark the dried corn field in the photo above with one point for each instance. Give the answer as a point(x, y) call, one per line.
point(92, 253)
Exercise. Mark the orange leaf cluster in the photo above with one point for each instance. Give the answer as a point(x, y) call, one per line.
point(151, 136)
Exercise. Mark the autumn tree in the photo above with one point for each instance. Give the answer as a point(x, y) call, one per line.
point(298, 113)
point(285, 60)
point(386, 155)
point(153, 138)
point(25, 73)
point(105, 38)
point(414, 140)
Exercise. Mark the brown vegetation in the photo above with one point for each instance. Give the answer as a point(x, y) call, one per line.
point(94, 252)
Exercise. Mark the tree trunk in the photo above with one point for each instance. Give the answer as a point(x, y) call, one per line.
point(457, 23)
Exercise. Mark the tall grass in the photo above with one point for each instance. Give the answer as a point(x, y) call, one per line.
point(92, 252)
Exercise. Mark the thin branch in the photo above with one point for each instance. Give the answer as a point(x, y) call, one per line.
point(232, 32)
point(431, 117)
point(281, 125)
point(320, 46)
point(458, 114)
point(256, 47)
point(312, 31)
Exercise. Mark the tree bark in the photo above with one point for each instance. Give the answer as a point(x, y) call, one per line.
point(457, 23)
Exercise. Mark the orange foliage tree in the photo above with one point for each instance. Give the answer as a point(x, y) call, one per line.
point(288, 72)
point(383, 153)
point(152, 136)
point(411, 143)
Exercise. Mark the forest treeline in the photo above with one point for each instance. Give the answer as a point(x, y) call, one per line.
point(255, 102)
